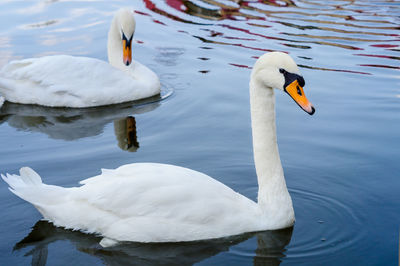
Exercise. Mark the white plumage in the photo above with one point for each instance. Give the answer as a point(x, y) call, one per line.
point(71, 81)
point(143, 202)
point(149, 202)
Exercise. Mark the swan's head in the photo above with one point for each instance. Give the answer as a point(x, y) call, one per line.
point(125, 24)
point(278, 70)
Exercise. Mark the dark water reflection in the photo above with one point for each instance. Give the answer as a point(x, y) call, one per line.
point(270, 247)
point(75, 123)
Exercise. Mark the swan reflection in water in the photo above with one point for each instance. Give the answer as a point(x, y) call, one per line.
point(76, 123)
point(270, 247)
point(125, 131)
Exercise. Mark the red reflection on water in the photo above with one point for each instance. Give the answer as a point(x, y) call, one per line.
point(142, 13)
point(196, 10)
point(151, 6)
point(380, 56)
point(384, 45)
point(249, 32)
point(238, 38)
point(270, 2)
point(215, 10)
point(221, 12)
point(214, 33)
point(334, 70)
point(380, 66)
point(239, 65)
point(258, 25)
point(159, 22)
point(176, 4)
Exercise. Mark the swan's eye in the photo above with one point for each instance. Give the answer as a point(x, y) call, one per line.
point(298, 91)
point(282, 70)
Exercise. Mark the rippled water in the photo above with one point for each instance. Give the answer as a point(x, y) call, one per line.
point(341, 165)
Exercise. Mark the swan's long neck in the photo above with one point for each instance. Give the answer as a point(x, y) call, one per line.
point(114, 46)
point(273, 196)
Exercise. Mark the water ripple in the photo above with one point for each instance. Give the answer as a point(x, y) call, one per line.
point(327, 236)
point(294, 27)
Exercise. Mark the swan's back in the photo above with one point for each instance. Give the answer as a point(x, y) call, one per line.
point(167, 203)
point(144, 202)
point(69, 81)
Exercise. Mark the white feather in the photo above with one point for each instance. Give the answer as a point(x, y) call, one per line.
point(70, 81)
point(149, 202)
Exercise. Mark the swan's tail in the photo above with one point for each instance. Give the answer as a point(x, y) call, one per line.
point(25, 185)
point(49, 200)
point(27, 178)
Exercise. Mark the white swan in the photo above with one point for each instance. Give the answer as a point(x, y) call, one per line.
point(149, 202)
point(70, 81)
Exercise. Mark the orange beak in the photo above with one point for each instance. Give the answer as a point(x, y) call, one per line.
point(296, 92)
point(127, 52)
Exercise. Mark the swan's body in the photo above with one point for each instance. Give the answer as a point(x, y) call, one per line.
point(71, 81)
point(165, 203)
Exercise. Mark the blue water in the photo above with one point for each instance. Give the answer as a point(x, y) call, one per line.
point(341, 165)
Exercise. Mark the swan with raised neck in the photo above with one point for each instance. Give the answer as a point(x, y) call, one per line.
point(272, 70)
point(151, 202)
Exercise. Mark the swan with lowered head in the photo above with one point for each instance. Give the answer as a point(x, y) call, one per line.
point(71, 81)
point(150, 202)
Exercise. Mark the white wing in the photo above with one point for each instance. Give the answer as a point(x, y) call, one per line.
point(143, 202)
point(158, 203)
point(74, 82)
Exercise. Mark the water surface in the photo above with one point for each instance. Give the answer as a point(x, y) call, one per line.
point(341, 165)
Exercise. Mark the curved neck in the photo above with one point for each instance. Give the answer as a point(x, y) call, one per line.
point(114, 46)
point(272, 194)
